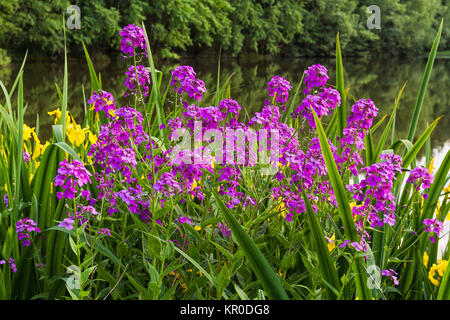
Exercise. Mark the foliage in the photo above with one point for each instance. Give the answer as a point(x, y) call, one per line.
point(268, 27)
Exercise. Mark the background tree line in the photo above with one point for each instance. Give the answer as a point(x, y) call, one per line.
point(183, 27)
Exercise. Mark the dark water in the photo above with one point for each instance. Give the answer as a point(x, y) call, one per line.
point(377, 78)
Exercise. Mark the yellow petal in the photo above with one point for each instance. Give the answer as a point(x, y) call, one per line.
point(425, 259)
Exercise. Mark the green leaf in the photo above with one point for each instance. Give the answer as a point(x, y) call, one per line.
point(95, 84)
point(155, 87)
point(412, 153)
point(326, 264)
point(424, 84)
point(440, 178)
point(342, 112)
point(344, 208)
point(444, 289)
point(65, 147)
point(268, 278)
point(387, 130)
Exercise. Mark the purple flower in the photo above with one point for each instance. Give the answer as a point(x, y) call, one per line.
point(133, 38)
point(433, 225)
point(362, 114)
point(322, 104)
point(26, 156)
point(184, 220)
point(90, 210)
point(138, 77)
point(421, 178)
point(103, 101)
point(391, 274)
point(316, 76)
point(167, 185)
point(24, 228)
point(374, 191)
point(12, 265)
point(279, 86)
point(131, 197)
point(352, 142)
point(5, 200)
point(268, 116)
point(105, 231)
point(224, 230)
point(67, 223)
point(184, 81)
point(344, 243)
point(70, 177)
point(229, 106)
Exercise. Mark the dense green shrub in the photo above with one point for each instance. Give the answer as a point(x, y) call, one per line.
point(289, 27)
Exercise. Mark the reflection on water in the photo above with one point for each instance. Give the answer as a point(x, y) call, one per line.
point(376, 78)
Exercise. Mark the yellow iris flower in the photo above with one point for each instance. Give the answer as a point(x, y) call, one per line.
point(431, 166)
point(282, 208)
point(29, 132)
point(425, 259)
point(57, 114)
point(75, 133)
point(440, 268)
point(39, 149)
point(331, 245)
point(446, 189)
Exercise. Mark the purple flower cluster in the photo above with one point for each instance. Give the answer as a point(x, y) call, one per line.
point(138, 80)
point(421, 178)
point(316, 77)
point(322, 103)
point(105, 231)
point(113, 151)
point(67, 223)
point(279, 88)
point(134, 200)
point(133, 38)
point(26, 157)
point(184, 220)
point(24, 228)
point(229, 106)
point(184, 81)
point(114, 155)
point(11, 264)
point(292, 200)
point(375, 191)
point(391, 274)
point(362, 114)
point(72, 176)
point(224, 230)
point(167, 185)
point(104, 101)
point(352, 142)
point(433, 226)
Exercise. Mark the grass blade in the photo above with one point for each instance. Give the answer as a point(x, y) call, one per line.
point(344, 208)
point(387, 130)
point(155, 87)
point(342, 112)
point(424, 84)
point(268, 278)
point(326, 264)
